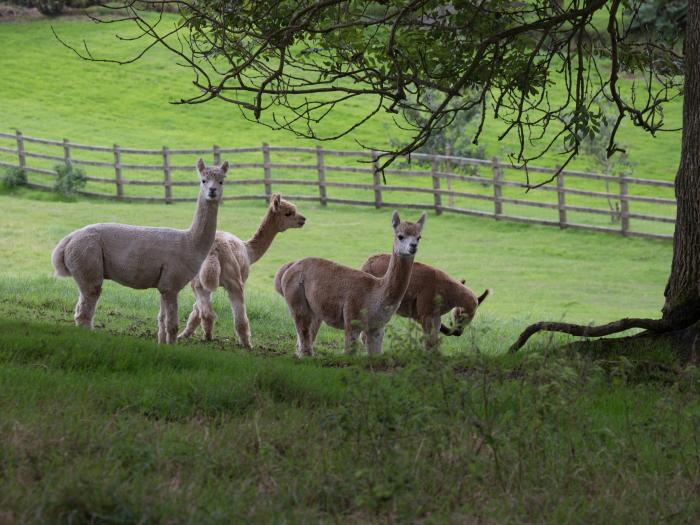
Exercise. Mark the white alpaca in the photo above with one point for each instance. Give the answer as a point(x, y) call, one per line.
point(318, 290)
point(142, 257)
point(228, 264)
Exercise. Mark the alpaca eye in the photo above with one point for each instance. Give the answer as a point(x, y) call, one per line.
point(203, 181)
point(288, 214)
point(401, 237)
point(418, 239)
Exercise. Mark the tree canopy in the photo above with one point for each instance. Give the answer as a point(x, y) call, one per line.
point(421, 57)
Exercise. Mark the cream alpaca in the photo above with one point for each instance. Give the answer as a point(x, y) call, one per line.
point(431, 293)
point(319, 290)
point(228, 264)
point(142, 257)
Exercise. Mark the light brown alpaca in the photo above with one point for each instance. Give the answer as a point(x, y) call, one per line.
point(228, 264)
point(142, 257)
point(319, 290)
point(431, 293)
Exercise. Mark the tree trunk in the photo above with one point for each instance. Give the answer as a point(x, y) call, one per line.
point(682, 306)
point(679, 324)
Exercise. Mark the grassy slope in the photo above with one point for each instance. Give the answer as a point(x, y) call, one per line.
point(141, 433)
point(129, 104)
point(534, 271)
point(195, 434)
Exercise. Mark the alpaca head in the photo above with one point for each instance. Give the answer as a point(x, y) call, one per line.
point(285, 214)
point(406, 234)
point(212, 180)
point(460, 320)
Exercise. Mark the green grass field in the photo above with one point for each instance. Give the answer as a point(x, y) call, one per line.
point(130, 105)
point(108, 427)
point(210, 433)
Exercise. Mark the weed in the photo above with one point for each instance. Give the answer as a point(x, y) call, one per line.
point(69, 180)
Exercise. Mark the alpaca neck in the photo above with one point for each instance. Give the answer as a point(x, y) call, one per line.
point(203, 228)
point(396, 278)
point(259, 243)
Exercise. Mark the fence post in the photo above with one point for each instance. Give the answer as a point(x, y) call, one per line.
point(561, 198)
point(66, 153)
point(497, 204)
point(118, 171)
point(166, 176)
point(21, 157)
point(437, 197)
point(377, 181)
point(267, 172)
point(321, 166)
point(217, 155)
point(624, 207)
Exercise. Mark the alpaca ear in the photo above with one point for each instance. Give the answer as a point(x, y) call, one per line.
point(224, 168)
point(275, 201)
point(200, 166)
point(421, 221)
point(395, 219)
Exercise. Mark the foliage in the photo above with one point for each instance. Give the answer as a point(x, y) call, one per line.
point(312, 58)
point(13, 178)
point(69, 179)
point(664, 18)
point(30, 45)
point(454, 138)
point(594, 146)
point(50, 7)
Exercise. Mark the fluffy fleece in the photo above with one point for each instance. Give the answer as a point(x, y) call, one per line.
point(318, 290)
point(228, 264)
point(142, 257)
point(431, 293)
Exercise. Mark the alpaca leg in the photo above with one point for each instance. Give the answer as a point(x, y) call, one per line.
point(431, 329)
point(352, 334)
point(305, 321)
point(305, 334)
point(85, 308)
point(161, 321)
point(206, 313)
point(193, 321)
point(313, 330)
point(236, 297)
point(169, 301)
point(84, 261)
point(373, 341)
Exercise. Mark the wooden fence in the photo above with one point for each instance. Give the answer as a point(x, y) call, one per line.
point(441, 179)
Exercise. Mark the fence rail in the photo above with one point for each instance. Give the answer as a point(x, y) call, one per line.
point(440, 174)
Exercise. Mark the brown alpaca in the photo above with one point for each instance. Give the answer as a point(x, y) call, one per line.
point(228, 264)
point(319, 290)
point(431, 293)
